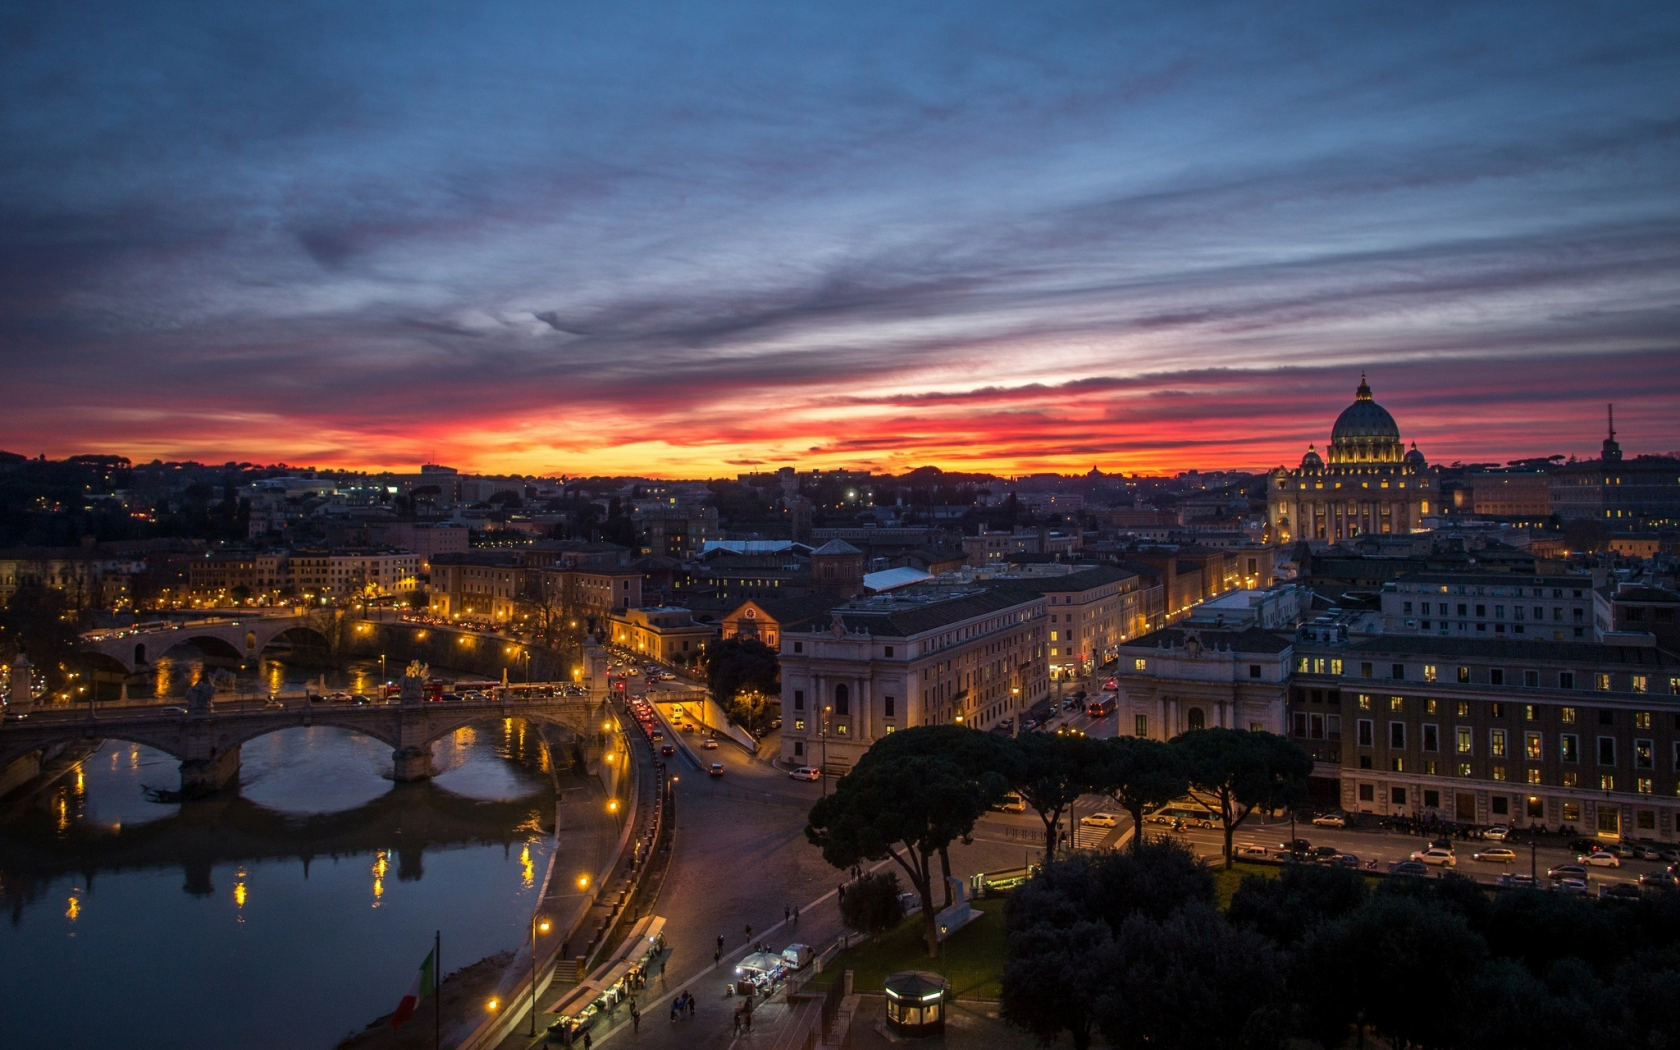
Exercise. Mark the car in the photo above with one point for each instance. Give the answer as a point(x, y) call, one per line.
point(1641, 852)
point(1099, 820)
point(1330, 820)
point(1446, 844)
point(710, 744)
point(659, 734)
point(1619, 891)
point(1496, 855)
point(1513, 881)
point(1497, 833)
point(1558, 872)
point(1668, 855)
point(667, 750)
point(16, 716)
point(716, 770)
point(1344, 860)
point(1600, 859)
point(1251, 851)
point(688, 727)
point(1323, 854)
point(173, 710)
point(1295, 846)
point(1583, 845)
point(775, 723)
point(1574, 887)
point(806, 773)
point(338, 698)
point(1433, 855)
point(1407, 867)
point(1665, 880)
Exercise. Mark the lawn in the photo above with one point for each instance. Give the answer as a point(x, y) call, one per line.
point(971, 959)
point(1225, 882)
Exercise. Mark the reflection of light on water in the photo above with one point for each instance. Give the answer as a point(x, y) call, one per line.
point(530, 869)
point(74, 910)
point(134, 757)
point(239, 894)
point(81, 781)
point(380, 866)
point(63, 813)
point(465, 736)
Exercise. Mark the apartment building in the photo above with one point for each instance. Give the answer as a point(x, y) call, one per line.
point(1490, 605)
point(974, 656)
point(1498, 730)
point(1183, 678)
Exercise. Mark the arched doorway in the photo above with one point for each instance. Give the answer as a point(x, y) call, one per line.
point(842, 700)
point(1196, 719)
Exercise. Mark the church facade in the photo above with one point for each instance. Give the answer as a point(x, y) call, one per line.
point(1367, 483)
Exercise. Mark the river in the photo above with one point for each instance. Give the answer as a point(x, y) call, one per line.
point(286, 914)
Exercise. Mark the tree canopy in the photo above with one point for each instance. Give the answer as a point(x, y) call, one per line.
point(1235, 771)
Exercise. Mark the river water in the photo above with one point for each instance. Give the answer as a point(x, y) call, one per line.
point(286, 914)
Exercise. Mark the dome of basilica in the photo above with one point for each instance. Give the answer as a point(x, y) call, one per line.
point(1365, 419)
point(1312, 462)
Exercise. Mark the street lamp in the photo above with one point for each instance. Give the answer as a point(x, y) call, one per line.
point(536, 927)
point(824, 726)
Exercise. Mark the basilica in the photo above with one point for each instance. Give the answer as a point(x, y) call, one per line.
point(1367, 483)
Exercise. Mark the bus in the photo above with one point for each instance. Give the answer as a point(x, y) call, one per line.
point(1101, 707)
point(1188, 810)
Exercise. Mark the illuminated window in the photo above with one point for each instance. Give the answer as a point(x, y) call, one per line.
point(1464, 769)
point(1642, 720)
point(1496, 743)
point(1139, 665)
point(1463, 736)
point(1531, 746)
point(1568, 714)
point(1601, 682)
point(1606, 782)
point(799, 724)
point(1429, 672)
point(1534, 776)
point(1364, 702)
point(1499, 772)
point(1396, 703)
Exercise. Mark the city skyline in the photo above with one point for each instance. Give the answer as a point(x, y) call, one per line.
point(648, 242)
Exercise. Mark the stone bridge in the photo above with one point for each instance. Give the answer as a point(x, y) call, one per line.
point(206, 739)
point(242, 638)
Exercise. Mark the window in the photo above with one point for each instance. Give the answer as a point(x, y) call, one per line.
point(1496, 743)
point(1397, 671)
point(798, 748)
point(1397, 734)
point(1571, 780)
point(1432, 799)
point(1644, 754)
point(1642, 720)
point(1430, 767)
point(889, 650)
point(1254, 670)
point(1464, 709)
point(1365, 671)
point(1640, 683)
point(1139, 665)
point(1366, 732)
point(1572, 812)
point(1142, 726)
point(1606, 782)
point(1642, 785)
point(1601, 682)
point(1607, 718)
point(1606, 750)
point(1429, 672)
point(799, 699)
point(1430, 706)
point(1501, 805)
point(1300, 723)
point(798, 647)
point(1568, 714)
point(1569, 748)
point(1464, 674)
point(799, 724)
point(1406, 609)
point(1397, 765)
point(1431, 738)
point(1534, 776)
point(1532, 747)
point(1531, 679)
point(890, 706)
point(1498, 710)
point(1396, 703)
point(1496, 676)
point(1566, 679)
point(1367, 793)
point(1333, 727)
point(1364, 702)
point(1464, 769)
point(1499, 772)
point(842, 700)
point(1463, 738)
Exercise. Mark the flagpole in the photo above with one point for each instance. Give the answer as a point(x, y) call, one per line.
point(437, 999)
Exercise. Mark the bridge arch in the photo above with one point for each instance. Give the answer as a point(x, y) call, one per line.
point(208, 644)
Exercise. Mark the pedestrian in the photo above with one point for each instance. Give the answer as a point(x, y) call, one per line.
point(787, 912)
point(565, 949)
point(588, 1041)
point(635, 1018)
point(749, 931)
point(717, 956)
point(842, 890)
point(796, 915)
point(720, 942)
point(737, 1022)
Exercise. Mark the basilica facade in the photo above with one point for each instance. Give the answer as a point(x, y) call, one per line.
point(1366, 484)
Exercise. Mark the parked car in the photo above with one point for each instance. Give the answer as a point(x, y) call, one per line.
point(1436, 856)
point(1558, 872)
point(1330, 820)
point(1407, 867)
point(1619, 891)
point(1668, 855)
point(1099, 820)
point(1600, 859)
point(1344, 860)
point(716, 770)
point(1572, 886)
point(806, 773)
point(1496, 855)
point(1513, 881)
point(174, 711)
point(1663, 880)
point(1251, 851)
point(1498, 833)
point(1583, 845)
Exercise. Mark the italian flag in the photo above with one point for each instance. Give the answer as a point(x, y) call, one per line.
point(424, 984)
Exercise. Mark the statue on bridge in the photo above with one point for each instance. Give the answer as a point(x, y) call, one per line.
point(413, 687)
point(201, 695)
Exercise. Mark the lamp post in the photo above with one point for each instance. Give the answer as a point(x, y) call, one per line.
point(824, 771)
point(535, 927)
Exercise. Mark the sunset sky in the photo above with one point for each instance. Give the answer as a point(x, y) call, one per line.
point(693, 239)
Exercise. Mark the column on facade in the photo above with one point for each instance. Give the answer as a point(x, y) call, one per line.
point(863, 729)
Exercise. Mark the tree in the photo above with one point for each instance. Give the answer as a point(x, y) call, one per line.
point(1235, 771)
point(1305, 896)
point(1140, 774)
point(1155, 880)
point(39, 622)
point(904, 811)
point(741, 673)
point(1190, 982)
point(1052, 979)
point(1050, 771)
point(871, 904)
